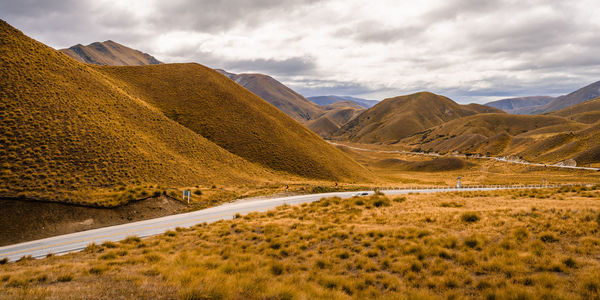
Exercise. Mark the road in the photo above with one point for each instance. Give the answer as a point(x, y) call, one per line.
point(501, 159)
point(78, 241)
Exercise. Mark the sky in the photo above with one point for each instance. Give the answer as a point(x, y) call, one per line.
point(468, 50)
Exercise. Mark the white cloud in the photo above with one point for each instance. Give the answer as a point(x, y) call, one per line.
point(470, 50)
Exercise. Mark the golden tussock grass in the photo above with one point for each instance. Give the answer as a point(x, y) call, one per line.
point(496, 245)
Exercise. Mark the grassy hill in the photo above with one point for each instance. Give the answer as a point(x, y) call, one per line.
point(109, 53)
point(69, 133)
point(396, 118)
point(276, 93)
point(213, 106)
point(334, 116)
point(587, 112)
point(544, 138)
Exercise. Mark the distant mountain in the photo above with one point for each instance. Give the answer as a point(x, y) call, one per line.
point(581, 95)
point(279, 95)
point(520, 104)
point(109, 53)
point(396, 118)
point(326, 100)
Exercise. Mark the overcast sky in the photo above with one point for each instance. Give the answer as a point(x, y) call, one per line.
point(471, 50)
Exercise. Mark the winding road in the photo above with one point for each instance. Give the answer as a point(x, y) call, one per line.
point(78, 241)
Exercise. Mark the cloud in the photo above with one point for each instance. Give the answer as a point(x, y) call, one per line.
point(467, 49)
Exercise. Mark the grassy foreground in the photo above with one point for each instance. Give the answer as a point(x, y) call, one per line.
point(495, 245)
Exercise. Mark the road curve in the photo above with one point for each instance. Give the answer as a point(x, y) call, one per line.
point(78, 241)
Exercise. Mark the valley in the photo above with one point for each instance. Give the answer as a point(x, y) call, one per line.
point(128, 177)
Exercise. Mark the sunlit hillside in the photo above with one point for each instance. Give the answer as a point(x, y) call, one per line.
point(212, 105)
point(68, 132)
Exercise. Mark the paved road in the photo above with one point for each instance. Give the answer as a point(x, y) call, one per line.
point(79, 240)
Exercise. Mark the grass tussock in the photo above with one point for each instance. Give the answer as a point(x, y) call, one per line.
point(362, 247)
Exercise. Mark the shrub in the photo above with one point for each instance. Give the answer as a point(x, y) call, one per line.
point(3, 261)
point(198, 192)
point(471, 242)
point(548, 237)
point(469, 217)
point(65, 278)
point(598, 219)
point(276, 269)
point(570, 262)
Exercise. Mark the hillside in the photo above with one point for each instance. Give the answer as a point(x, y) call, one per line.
point(521, 104)
point(396, 118)
point(335, 116)
point(213, 106)
point(109, 53)
point(327, 100)
point(68, 133)
point(276, 93)
point(586, 112)
point(579, 96)
point(542, 138)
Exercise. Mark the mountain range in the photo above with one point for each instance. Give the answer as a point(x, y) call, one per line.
point(326, 100)
point(72, 131)
point(546, 104)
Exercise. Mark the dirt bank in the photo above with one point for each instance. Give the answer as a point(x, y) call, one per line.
point(22, 221)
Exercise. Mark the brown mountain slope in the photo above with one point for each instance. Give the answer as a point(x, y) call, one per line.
point(581, 95)
point(586, 112)
point(214, 106)
point(335, 116)
point(68, 133)
point(520, 105)
point(109, 53)
point(274, 92)
point(541, 138)
point(396, 118)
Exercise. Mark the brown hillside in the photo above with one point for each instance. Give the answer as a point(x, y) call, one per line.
point(396, 118)
point(211, 104)
point(322, 126)
point(276, 93)
point(586, 112)
point(579, 96)
point(541, 138)
point(109, 53)
point(67, 132)
point(335, 116)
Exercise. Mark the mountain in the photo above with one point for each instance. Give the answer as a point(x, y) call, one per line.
point(239, 121)
point(543, 138)
point(396, 118)
point(276, 93)
point(581, 95)
point(71, 134)
point(586, 112)
point(326, 100)
point(335, 116)
point(75, 132)
point(109, 53)
point(518, 105)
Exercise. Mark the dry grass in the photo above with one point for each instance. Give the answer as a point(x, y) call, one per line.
point(522, 244)
point(71, 133)
point(213, 106)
